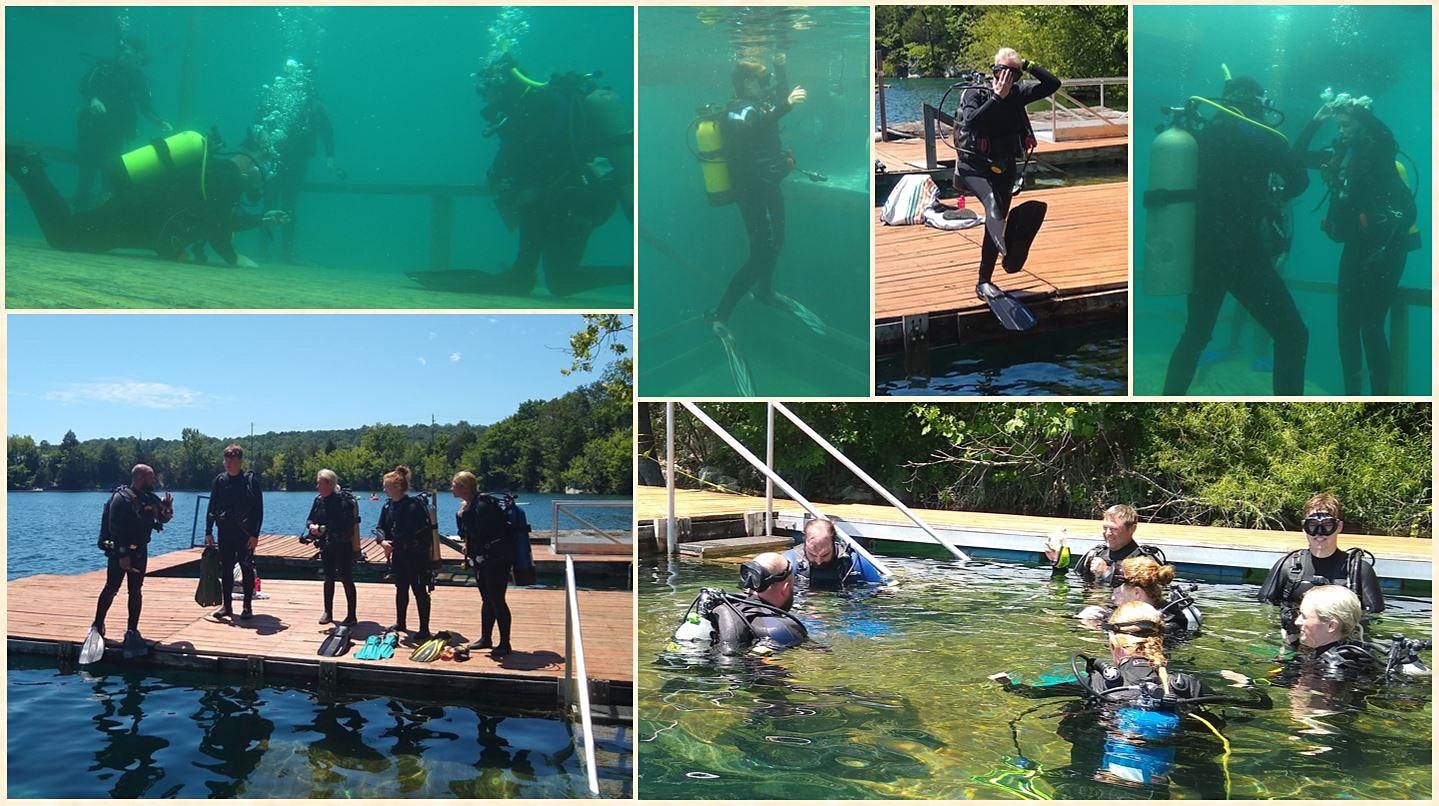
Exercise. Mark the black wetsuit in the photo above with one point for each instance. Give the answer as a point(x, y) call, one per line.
point(282, 189)
point(133, 517)
point(103, 136)
point(486, 534)
point(168, 219)
point(1112, 559)
point(1234, 206)
point(406, 525)
point(998, 129)
point(1371, 212)
point(743, 622)
point(758, 164)
point(545, 183)
point(1290, 579)
point(237, 507)
point(339, 514)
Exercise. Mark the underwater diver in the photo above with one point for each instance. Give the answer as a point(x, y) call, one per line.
point(405, 534)
point(1372, 213)
point(1245, 170)
point(757, 163)
point(133, 512)
point(1142, 701)
point(758, 622)
point(173, 196)
point(307, 124)
point(992, 135)
point(565, 162)
point(115, 92)
point(237, 508)
point(331, 524)
point(1322, 563)
point(1143, 579)
point(1100, 564)
point(489, 551)
point(824, 561)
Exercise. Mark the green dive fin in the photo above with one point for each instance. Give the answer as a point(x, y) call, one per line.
point(371, 649)
point(1019, 231)
point(209, 591)
point(386, 649)
point(431, 649)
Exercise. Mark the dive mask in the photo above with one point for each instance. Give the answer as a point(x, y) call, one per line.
point(754, 577)
point(1320, 524)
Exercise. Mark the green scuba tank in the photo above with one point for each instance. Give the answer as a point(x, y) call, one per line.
point(1170, 209)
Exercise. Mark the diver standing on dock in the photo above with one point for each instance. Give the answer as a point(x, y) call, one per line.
point(131, 514)
point(331, 524)
point(490, 553)
point(237, 508)
point(405, 531)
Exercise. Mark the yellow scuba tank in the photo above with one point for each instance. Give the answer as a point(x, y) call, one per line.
point(1170, 209)
point(163, 162)
point(710, 144)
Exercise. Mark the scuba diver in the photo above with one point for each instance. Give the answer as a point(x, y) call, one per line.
point(758, 622)
point(992, 133)
point(1100, 564)
point(172, 196)
point(131, 514)
point(489, 550)
point(1372, 213)
point(1142, 579)
point(304, 121)
point(237, 508)
point(113, 90)
point(1322, 563)
point(824, 561)
point(565, 161)
point(1245, 170)
point(332, 523)
point(1141, 702)
point(404, 534)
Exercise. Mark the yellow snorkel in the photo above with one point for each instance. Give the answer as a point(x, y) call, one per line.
point(526, 80)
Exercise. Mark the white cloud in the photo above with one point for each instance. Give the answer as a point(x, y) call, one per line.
point(434, 335)
point(130, 393)
point(455, 357)
point(422, 361)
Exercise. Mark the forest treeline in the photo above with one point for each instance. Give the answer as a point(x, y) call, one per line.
point(1070, 41)
point(1212, 464)
point(579, 440)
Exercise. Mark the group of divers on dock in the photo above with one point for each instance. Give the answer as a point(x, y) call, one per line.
point(493, 531)
point(1324, 595)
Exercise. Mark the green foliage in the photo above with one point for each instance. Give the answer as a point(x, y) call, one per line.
point(1071, 41)
point(1231, 464)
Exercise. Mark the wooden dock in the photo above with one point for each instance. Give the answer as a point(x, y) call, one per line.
point(50, 614)
point(37, 276)
point(1078, 271)
point(907, 156)
point(1238, 550)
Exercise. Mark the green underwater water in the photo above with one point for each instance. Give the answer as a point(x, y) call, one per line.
point(891, 699)
point(398, 87)
point(689, 250)
point(1296, 52)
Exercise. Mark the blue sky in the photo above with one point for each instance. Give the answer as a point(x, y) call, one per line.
point(124, 375)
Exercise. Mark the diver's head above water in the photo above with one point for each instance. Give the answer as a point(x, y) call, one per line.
point(769, 578)
point(1120, 522)
point(1144, 580)
point(819, 547)
point(1327, 615)
point(1136, 629)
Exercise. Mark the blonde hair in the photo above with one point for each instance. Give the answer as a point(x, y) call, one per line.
point(328, 475)
point(1008, 56)
point(1323, 502)
point(1126, 514)
point(465, 479)
point(1146, 574)
point(1149, 647)
point(1335, 603)
point(399, 476)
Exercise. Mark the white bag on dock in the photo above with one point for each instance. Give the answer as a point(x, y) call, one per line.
point(906, 204)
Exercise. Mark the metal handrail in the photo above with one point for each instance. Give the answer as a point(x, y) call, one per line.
point(563, 506)
point(195, 524)
point(855, 469)
point(784, 486)
point(577, 682)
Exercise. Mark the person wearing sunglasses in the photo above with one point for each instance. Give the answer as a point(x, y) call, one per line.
point(1321, 563)
point(757, 622)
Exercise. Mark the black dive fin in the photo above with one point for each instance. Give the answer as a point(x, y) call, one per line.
point(1009, 311)
point(1019, 230)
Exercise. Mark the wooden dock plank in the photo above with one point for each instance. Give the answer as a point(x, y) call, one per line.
point(907, 156)
point(650, 505)
point(1083, 248)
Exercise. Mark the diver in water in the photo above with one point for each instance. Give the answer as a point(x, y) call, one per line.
point(1372, 213)
point(1245, 168)
point(306, 124)
point(566, 161)
point(758, 163)
point(992, 134)
point(758, 622)
point(823, 561)
point(1100, 564)
point(172, 197)
point(1142, 579)
point(1322, 563)
point(114, 92)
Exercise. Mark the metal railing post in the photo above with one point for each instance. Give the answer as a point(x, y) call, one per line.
point(867, 479)
point(769, 463)
point(784, 486)
point(582, 679)
point(554, 521)
point(670, 540)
